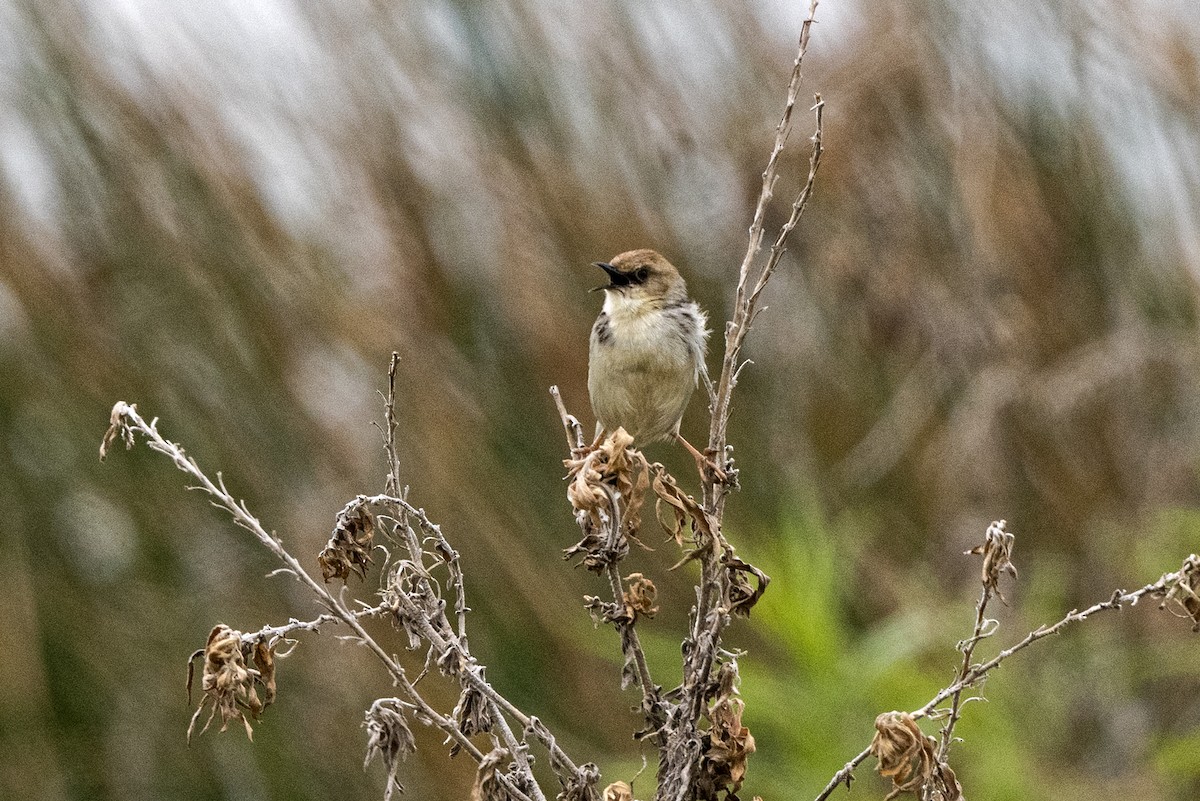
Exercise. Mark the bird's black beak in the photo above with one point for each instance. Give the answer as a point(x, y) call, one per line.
point(616, 277)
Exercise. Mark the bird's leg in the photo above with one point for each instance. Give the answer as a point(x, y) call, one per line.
point(703, 463)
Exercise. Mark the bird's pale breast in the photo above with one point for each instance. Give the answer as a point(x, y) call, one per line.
point(643, 368)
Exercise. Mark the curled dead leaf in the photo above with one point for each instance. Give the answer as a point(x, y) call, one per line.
point(618, 791)
point(727, 744)
point(389, 738)
point(349, 547)
point(741, 596)
point(264, 662)
point(488, 786)
point(471, 715)
point(686, 515)
point(639, 597)
point(227, 681)
point(909, 758)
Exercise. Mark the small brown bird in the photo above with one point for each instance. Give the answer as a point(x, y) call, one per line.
point(647, 350)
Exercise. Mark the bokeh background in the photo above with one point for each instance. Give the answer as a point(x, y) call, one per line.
point(231, 213)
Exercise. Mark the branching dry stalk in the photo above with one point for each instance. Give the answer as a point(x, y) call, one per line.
point(751, 278)
point(712, 612)
point(606, 559)
point(997, 558)
point(412, 598)
point(1179, 587)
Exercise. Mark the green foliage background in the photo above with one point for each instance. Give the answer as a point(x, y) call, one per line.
point(231, 214)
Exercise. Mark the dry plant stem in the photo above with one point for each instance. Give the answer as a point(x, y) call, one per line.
point(393, 488)
point(709, 618)
point(272, 633)
point(968, 649)
point(443, 643)
point(575, 443)
point(975, 674)
point(242, 516)
point(571, 426)
point(403, 510)
point(746, 298)
point(649, 695)
point(518, 750)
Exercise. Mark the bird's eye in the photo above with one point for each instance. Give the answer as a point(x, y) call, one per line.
point(642, 274)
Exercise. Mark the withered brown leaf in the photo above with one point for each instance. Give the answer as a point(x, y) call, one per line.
point(618, 791)
point(639, 597)
point(389, 738)
point(349, 547)
point(227, 683)
point(487, 786)
point(909, 758)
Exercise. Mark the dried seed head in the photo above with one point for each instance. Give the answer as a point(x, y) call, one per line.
point(606, 484)
point(613, 462)
point(899, 746)
point(997, 557)
point(349, 547)
point(1181, 588)
point(389, 738)
point(227, 681)
point(618, 791)
point(118, 429)
point(909, 758)
point(640, 596)
point(488, 786)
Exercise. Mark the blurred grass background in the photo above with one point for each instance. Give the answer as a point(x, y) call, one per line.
point(231, 213)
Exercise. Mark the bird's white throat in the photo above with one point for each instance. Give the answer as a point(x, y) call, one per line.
point(618, 305)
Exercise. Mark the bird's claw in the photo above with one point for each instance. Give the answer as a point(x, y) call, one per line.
point(708, 466)
point(721, 474)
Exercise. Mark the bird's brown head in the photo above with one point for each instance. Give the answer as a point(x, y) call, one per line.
point(643, 275)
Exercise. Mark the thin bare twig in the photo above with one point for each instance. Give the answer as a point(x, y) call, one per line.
point(272, 633)
point(968, 648)
point(750, 282)
point(392, 485)
point(996, 551)
point(571, 425)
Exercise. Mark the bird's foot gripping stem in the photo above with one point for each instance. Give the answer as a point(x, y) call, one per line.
point(707, 464)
